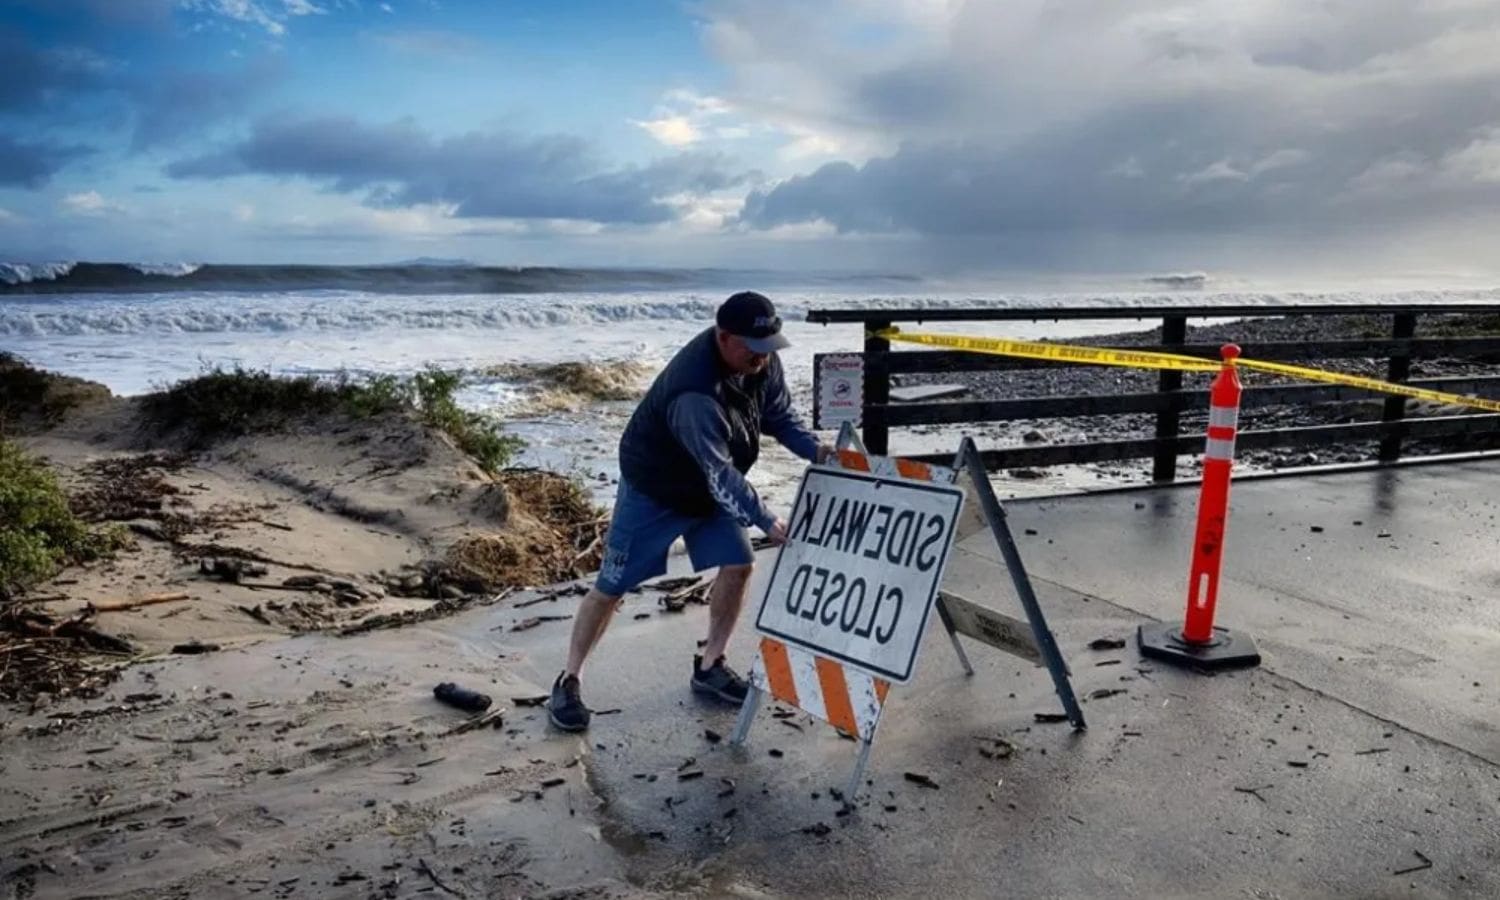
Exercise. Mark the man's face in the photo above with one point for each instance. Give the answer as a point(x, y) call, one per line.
point(739, 358)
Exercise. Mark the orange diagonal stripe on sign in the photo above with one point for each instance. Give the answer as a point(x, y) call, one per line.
point(779, 671)
point(836, 696)
point(853, 459)
point(912, 469)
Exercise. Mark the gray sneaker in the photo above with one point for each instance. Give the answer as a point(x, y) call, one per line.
point(566, 709)
point(719, 681)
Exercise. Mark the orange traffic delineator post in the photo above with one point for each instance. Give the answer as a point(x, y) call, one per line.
point(1195, 641)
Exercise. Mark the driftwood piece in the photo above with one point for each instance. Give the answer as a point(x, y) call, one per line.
point(137, 602)
point(696, 591)
point(495, 718)
point(29, 623)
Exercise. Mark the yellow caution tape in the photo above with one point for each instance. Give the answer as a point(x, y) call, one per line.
point(1055, 352)
point(1145, 359)
point(1370, 384)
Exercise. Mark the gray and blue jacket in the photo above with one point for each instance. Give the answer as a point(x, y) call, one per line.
point(697, 432)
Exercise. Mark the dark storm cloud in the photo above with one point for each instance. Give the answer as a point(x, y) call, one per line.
point(32, 165)
point(85, 14)
point(53, 81)
point(31, 77)
point(482, 174)
point(180, 103)
point(1090, 115)
point(1175, 166)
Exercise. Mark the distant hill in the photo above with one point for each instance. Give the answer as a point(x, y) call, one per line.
point(1184, 280)
point(435, 262)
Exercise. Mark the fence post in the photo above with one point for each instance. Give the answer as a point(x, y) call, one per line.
point(1164, 466)
point(1404, 326)
point(877, 388)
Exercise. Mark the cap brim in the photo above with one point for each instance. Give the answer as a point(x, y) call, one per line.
point(769, 344)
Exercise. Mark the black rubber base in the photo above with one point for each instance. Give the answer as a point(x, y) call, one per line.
point(1227, 650)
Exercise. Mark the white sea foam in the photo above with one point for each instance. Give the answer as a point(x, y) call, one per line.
point(136, 342)
point(206, 313)
point(174, 270)
point(25, 273)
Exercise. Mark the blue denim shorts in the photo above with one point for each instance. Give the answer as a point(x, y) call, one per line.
point(641, 532)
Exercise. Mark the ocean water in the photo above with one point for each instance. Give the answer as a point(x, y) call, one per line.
point(135, 328)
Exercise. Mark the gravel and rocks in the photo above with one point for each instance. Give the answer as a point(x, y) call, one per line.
point(1070, 381)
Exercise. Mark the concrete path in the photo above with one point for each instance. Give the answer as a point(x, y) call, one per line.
point(1364, 748)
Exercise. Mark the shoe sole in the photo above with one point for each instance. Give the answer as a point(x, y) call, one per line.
point(717, 694)
point(561, 726)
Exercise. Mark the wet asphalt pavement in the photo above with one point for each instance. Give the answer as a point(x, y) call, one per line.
point(1362, 759)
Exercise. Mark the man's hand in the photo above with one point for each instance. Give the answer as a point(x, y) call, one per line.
point(826, 452)
point(777, 532)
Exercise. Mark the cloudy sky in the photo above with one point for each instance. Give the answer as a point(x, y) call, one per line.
point(1355, 136)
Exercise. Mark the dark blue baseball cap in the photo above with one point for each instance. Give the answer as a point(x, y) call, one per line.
point(752, 318)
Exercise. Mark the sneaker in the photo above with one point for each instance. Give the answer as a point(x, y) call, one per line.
point(719, 681)
point(566, 709)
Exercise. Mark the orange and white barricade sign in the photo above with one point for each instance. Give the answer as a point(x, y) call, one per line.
point(853, 590)
point(846, 698)
point(858, 581)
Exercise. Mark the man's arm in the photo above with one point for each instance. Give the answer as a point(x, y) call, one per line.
point(698, 423)
point(779, 421)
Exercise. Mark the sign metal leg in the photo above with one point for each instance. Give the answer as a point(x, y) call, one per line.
point(857, 778)
point(968, 455)
point(848, 437)
point(958, 646)
point(747, 717)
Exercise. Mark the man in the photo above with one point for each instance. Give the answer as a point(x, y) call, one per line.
point(683, 459)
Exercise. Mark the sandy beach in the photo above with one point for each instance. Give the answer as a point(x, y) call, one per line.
point(266, 648)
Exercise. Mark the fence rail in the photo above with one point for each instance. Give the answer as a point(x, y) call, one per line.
point(1170, 401)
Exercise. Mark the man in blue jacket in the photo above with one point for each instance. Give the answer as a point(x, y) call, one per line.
point(683, 459)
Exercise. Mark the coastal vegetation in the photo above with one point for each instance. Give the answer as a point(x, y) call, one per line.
point(39, 533)
point(223, 403)
point(29, 395)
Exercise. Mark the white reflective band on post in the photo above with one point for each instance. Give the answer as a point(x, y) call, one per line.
point(1226, 416)
point(1219, 448)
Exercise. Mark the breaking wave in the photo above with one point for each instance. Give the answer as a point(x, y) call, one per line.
point(214, 312)
point(415, 277)
point(12, 274)
point(23, 278)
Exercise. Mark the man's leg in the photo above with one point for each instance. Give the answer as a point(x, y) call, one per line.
point(594, 614)
point(566, 708)
point(640, 533)
point(721, 543)
point(725, 601)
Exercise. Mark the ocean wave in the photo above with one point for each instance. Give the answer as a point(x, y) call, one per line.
point(169, 270)
point(12, 274)
point(208, 313)
point(422, 276)
point(304, 313)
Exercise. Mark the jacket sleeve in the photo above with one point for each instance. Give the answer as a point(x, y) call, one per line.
point(779, 421)
point(698, 423)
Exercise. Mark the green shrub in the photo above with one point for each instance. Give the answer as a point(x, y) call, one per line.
point(28, 393)
point(223, 403)
point(376, 395)
point(477, 435)
point(38, 533)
